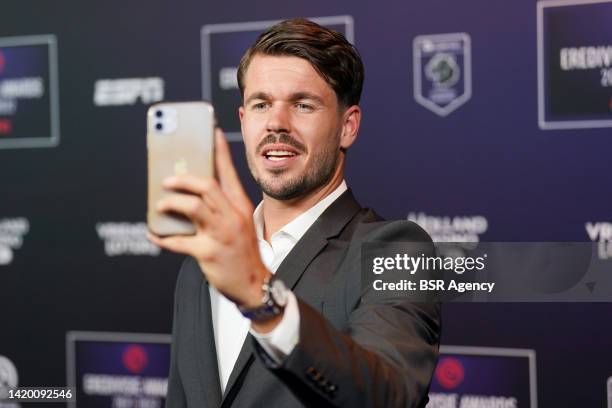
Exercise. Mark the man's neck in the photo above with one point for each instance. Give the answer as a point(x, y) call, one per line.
point(278, 213)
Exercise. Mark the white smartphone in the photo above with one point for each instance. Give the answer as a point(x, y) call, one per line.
point(180, 139)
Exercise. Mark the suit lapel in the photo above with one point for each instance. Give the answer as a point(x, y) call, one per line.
point(207, 358)
point(330, 224)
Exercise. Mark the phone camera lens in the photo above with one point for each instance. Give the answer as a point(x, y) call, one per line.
point(159, 126)
point(159, 113)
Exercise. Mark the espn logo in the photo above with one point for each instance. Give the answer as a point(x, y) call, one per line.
point(117, 92)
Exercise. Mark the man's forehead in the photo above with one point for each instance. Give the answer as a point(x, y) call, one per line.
point(264, 63)
point(268, 73)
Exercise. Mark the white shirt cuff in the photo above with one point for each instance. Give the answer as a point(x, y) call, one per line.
point(279, 343)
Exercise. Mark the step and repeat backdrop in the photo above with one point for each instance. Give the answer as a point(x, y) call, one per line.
point(483, 121)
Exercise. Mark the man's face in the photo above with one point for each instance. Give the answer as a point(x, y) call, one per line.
point(291, 124)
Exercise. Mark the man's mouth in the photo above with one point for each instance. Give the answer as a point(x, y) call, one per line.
point(279, 153)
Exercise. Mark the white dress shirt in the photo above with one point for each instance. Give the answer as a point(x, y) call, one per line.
point(231, 327)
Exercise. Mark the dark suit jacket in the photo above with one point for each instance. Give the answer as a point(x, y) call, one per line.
point(354, 349)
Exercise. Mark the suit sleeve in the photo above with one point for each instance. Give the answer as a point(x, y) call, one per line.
point(175, 397)
point(388, 353)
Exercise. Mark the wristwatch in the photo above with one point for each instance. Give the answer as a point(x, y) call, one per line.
point(273, 301)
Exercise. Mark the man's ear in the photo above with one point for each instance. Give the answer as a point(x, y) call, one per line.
point(241, 117)
point(350, 126)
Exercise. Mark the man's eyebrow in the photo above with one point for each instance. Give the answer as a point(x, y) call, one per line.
point(306, 95)
point(293, 98)
point(257, 95)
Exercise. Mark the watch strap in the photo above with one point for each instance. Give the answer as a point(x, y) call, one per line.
point(269, 308)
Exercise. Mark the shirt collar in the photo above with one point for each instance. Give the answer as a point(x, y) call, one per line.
point(299, 225)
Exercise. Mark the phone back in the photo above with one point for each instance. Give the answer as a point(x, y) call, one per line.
point(180, 139)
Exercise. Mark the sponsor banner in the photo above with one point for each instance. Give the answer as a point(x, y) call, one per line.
point(484, 377)
point(222, 47)
point(601, 233)
point(12, 233)
point(118, 370)
point(29, 102)
point(128, 91)
point(442, 71)
point(126, 238)
point(574, 64)
point(452, 228)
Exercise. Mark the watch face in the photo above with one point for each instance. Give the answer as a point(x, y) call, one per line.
point(278, 290)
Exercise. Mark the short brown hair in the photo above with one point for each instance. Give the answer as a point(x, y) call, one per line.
point(330, 54)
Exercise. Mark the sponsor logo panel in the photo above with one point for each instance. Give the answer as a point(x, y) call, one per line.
point(29, 101)
point(118, 369)
point(574, 64)
point(484, 377)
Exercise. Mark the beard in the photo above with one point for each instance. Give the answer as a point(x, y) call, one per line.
point(281, 187)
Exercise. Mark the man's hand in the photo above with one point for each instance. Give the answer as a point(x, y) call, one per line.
point(225, 243)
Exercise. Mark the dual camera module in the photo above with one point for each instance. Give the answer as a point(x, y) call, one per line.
point(164, 119)
point(159, 114)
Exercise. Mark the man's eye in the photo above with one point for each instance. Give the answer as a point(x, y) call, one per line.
point(304, 107)
point(260, 106)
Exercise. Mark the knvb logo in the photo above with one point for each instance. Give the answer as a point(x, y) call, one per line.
point(442, 71)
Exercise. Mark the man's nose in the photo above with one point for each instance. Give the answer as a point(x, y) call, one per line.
point(279, 119)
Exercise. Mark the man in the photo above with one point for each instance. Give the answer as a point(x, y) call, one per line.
point(269, 307)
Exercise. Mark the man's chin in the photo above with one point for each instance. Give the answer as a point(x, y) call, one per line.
point(282, 190)
point(283, 194)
